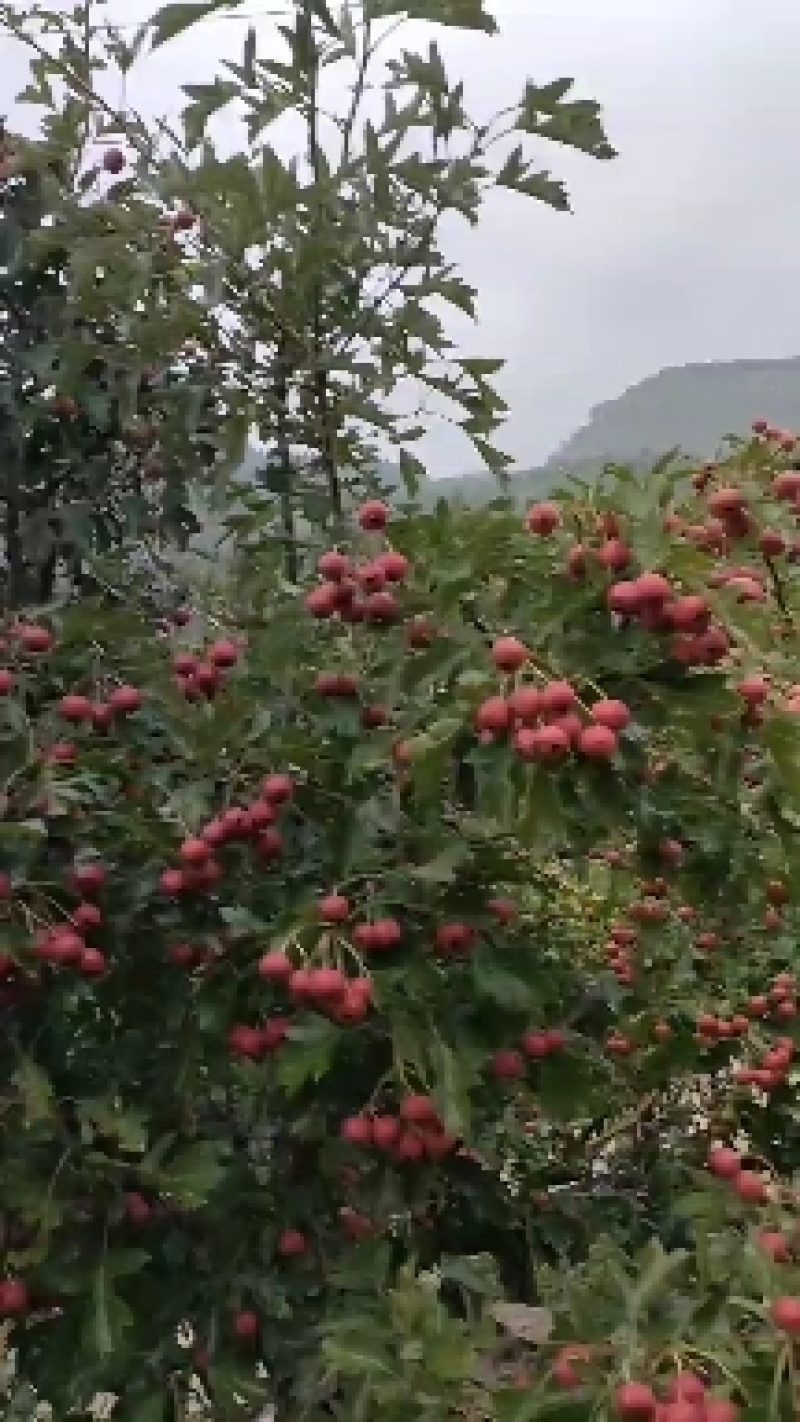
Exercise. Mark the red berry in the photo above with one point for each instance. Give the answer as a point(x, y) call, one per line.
point(194, 851)
point(509, 654)
point(613, 714)
point(125, 699)
point(635, 1399)
point(597, 742)
point(223, 654)
point(357, 1130)
point(785, 1314)
point(493, 715)
point(275, 966)
point(373, 515)
point(542, 518)
point(724, 1162)
point(334, 908)
point(291, 1244)
point(277, 788)
point(92, 963)
point(245, 1324)
point(13, 1297)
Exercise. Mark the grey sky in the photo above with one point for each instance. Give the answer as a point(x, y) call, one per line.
point(686, 248)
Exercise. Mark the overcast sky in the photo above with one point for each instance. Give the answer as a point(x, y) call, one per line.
point(687, 248)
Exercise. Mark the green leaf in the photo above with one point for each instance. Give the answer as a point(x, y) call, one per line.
point(194, 1174)
point(464, 14)
point(521, 177)
point(146, 1409)
point(412, 472)
point(37, 1094)
point(110, 1317)
point(577, 124)
point(127, 1128)
point(307, 1058)
point(208, 99)
point(173, 20)
point(355, 1360)
point(500, 986)
point(441, 870)
point(656, 1266)
point(451, 1087)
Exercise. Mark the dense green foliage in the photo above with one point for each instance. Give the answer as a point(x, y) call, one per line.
point(399, 937)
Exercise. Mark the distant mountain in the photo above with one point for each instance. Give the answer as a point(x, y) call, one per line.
point(691, 406)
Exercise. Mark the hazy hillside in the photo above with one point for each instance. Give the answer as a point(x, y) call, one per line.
point(693, 406)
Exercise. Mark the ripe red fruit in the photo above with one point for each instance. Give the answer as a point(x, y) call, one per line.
point(92, 963)
point(114, 160)
point(323, 601)
point(277, 788)
point(786, 485)
point(785, 1314)
point(614, 555)
point(680, 1411)
point(223, 654)
point(751, 1188)
point(557, 698)
point(754, 690)
point(334, 565)
point(418, 1111)
point(686, 1387)
point(493, 715)
point(724, 1162)
point(137, 1208)
point(291, 1244)
point(772, 543)
point(564, 1370)
point(34, 639)
point(653, 588)
point(125, 699)
point(542, 518)
point(509, 654)
point(194, 851)
point(245, 1324)
point(75, 708)
point(775, 1244)
point(394, 566)
point(507, 1064)
point(385, 1132)
point(624, 598)
point(88, 879)
point(597, 742)
point(633, 1399)
point(357, 1130)
point(14, 1297)
point(504, 910)
point(6, 681)
point(373, 515)
point(334, 908)
point(245, 1041)
point(274, 1033)
point(275, 966)
point(525, 704)
point(536, 1044)
point(172, 882)
point(613, 714)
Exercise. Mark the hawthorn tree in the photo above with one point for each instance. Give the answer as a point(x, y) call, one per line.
point(316, 1090)
point(294, 1016)
point(111, 422)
